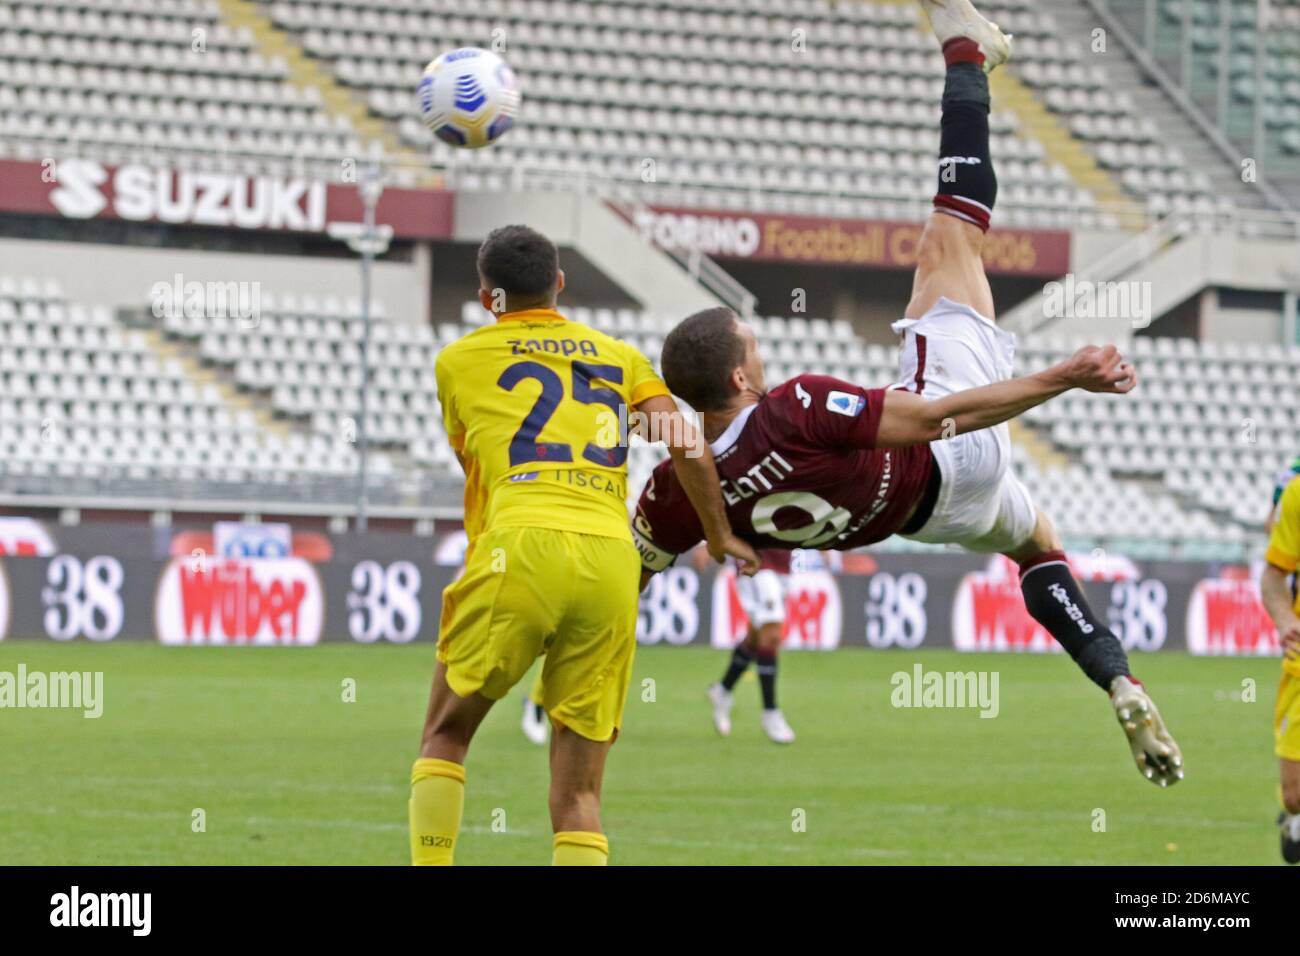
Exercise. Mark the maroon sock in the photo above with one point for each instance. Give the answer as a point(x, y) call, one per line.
point(962, 50)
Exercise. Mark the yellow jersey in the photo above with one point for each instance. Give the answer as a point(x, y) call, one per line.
point(1284, 546)
point(537, 408)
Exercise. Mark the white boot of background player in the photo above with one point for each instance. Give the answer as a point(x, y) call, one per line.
point(535, 725)
point(722, 700)
point(777, 730)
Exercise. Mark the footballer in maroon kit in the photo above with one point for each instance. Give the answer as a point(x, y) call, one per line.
point(817, 462)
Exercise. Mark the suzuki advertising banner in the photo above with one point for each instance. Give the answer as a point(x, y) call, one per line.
point(86, 189)
point(88, 583)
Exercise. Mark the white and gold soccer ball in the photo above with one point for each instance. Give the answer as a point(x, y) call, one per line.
point(469, 97)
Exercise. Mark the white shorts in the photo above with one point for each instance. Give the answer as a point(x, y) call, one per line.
point(981, 506)
point(762, 597)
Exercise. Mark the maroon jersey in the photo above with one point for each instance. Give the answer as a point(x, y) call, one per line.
point(799, 470)
point(773, 559)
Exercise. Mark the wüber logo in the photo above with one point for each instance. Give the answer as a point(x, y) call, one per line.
point(235, 601)
point(133, 910)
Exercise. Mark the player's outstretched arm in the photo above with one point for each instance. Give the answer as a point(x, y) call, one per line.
point(909, 419)
point(693, 463)
point(1275, 594)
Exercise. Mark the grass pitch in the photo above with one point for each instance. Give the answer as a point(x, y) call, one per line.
point(286, 772)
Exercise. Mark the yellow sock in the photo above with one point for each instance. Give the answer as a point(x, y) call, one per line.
point(580, 848)
point(437, 800)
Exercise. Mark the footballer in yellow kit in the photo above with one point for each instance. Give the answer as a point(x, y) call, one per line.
point(537, 409)
point(522, 401)
point(1279, 596)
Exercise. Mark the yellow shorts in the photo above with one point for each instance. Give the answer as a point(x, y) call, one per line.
point(531, 591)
point(1286, 721)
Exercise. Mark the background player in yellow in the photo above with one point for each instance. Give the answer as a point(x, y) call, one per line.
point(537, 408)
point(1283, 606)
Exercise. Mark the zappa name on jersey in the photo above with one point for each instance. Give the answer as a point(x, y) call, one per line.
point(554, 346)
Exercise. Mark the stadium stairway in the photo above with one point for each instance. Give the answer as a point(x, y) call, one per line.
point(1077, 21)
point(201, 374)
point(600, 235)
point(1036, 446)
point(1009, 93)
point(306, 72)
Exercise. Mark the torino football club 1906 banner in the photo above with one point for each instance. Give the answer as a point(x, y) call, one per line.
point(251, 585)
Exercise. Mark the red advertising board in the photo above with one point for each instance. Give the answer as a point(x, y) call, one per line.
point(770, 237)
point(85, 189)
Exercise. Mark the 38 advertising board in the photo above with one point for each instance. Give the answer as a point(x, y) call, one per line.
point(386, 588)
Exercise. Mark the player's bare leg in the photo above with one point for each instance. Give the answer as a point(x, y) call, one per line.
point(451, 721)
point(1055, 599)
point(577, 769)
point(949, 262)
point(1289, 821)
point(438, 777)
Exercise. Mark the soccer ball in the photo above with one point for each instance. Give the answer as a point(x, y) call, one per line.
point(469, 97)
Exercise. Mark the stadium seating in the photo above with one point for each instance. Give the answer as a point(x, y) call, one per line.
point(1212, 423)
point(84, 398)
point(1186, 461)
point(1274, 80)
point(742, 109)
point(739, 116)
point(121, 81)
point(304, 356)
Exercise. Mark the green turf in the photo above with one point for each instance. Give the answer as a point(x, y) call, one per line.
point(287, 773)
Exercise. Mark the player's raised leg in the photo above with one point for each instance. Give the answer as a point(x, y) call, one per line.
point(1055, 600)
point(949, 262)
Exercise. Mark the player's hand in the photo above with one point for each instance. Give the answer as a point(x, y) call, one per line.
point(743, 552)
point(1291, 641)
point(1100, 368)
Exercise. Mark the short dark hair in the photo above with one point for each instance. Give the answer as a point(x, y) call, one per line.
point(522, 263)
point(699, 356)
